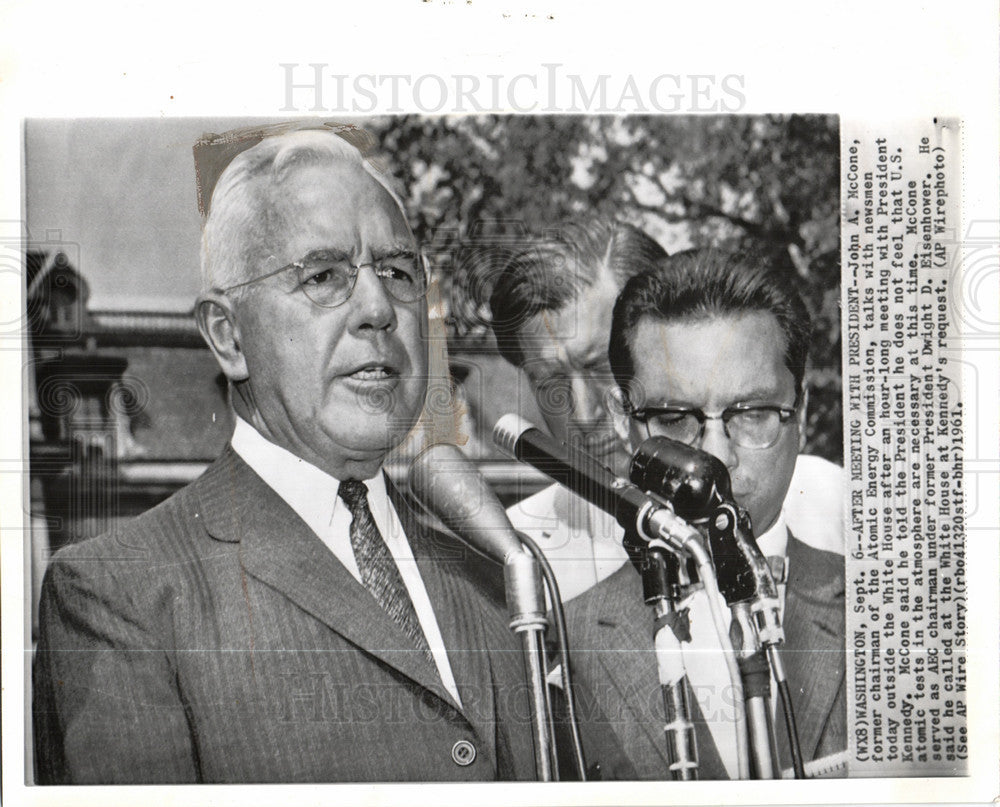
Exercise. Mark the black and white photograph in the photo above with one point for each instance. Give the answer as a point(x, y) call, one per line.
point(657, 298)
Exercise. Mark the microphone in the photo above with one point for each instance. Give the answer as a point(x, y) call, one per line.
point(694, 481)
point(699, 487)
point(585, 476)
point(649, 515)
point(450, 486)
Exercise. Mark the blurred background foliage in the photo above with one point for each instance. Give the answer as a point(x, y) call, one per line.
point(481, 182)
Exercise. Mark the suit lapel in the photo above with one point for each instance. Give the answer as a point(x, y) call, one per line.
point(279, 549)
point(814, 642)
point(626, 619)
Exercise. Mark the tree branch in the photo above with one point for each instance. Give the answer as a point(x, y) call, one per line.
point(711, 211)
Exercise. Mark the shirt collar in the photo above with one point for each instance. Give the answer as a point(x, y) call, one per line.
point(774, 542)
point(309, 491)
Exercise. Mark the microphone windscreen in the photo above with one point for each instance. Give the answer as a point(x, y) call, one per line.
point(508, 431)
point(450, 486)
point(693, 481)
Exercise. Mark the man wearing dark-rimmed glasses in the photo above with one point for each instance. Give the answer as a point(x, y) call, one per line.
point(285, 617)
point(710, 349)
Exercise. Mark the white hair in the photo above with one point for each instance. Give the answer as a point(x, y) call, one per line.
point(235, 229)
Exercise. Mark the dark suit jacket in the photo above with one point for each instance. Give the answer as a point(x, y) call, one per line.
point(217, 639)
point(611, 633)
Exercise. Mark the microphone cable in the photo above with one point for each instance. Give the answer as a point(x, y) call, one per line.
point(561, 637)
point(778, 668)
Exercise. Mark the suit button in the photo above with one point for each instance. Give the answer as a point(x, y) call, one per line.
point(463, 753)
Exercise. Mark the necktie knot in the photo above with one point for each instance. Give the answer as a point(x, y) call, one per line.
point(354, 493)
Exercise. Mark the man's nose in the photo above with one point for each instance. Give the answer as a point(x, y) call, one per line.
point(371, 306)
point(588, 402)
point(717, 443)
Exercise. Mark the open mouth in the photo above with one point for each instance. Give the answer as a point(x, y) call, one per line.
point(374, 372)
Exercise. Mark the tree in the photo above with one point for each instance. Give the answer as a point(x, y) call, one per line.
point(688, 181)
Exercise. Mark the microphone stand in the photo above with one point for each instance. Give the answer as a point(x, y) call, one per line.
point(661, 591)
point(745, 578)
point(756, 675)
point(698, 486)
point(451, 488)
point(753, 600)
point(526, 605)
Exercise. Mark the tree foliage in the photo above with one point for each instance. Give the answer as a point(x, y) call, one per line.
point(688, 181)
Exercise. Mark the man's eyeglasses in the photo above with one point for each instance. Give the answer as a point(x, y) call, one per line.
point(328, 278)
point(748, 426)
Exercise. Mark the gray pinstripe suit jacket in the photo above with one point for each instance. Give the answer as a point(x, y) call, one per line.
point(215, 638)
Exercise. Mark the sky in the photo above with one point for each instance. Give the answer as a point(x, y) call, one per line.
point(119, 197)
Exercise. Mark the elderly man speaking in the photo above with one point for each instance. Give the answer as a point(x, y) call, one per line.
point(285, 618)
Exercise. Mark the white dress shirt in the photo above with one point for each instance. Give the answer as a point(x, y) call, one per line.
point(312, 494)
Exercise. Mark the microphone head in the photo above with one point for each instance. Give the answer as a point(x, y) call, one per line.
point(693, 481)
point(508, 431)
point(450, 486)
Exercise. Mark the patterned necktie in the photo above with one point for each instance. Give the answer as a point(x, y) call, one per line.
point(377, 567)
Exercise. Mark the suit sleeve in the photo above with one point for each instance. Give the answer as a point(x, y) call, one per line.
point(106, 703)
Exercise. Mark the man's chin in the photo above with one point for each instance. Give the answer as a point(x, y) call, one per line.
point(762, 522)
point(618, 460)
point(373, 434)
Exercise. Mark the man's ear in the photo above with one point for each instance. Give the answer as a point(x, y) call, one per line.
point(803, 417)
point(217, 322)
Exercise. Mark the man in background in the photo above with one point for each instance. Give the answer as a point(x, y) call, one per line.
point(551, 306)
point(285, 617)
point(709, 349)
